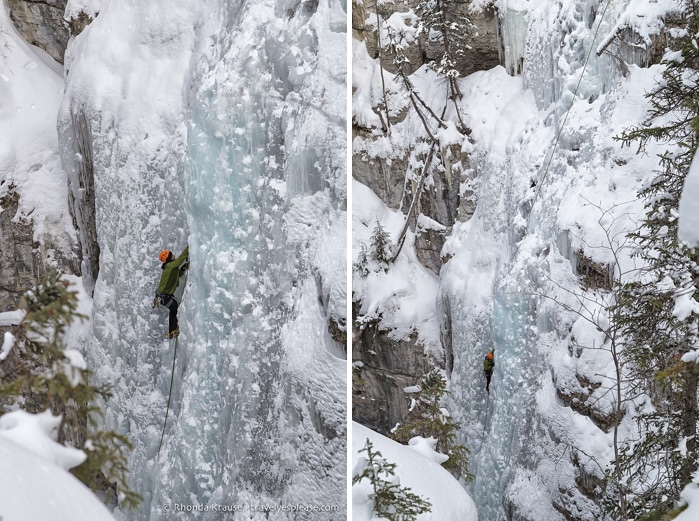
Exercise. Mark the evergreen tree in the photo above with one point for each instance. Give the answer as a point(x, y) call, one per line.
point(380, 245)
point(362, 264)
point(429, 418)
point(441, 24)
point(391, 501)
point(47, 379)
point(656, 335)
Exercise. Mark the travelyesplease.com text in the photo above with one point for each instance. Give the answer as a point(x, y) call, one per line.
point(183, 507)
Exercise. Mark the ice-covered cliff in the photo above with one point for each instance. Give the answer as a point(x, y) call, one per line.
point(218, 124)
point(544, 197)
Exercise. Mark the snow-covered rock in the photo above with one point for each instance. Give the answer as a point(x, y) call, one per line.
point(34, 488)
point(424, 476)
point(33, 190)
point(38, 433)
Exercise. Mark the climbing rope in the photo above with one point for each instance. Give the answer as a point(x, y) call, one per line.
point(486, 425)
point(565, 119)
point(172, 375)
point(169, 396)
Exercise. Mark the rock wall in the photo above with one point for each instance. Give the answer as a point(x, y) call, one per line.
point(76, 153)
point(383, 367)
point(40, 22)
point(19, 259)
point(23, 259)
point(23, 262)
point(482, 40)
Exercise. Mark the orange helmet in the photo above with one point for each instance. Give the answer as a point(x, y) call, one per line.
point(164, 255)
point(489, 356)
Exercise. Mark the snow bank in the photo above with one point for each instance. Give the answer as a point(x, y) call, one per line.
point(35, 488)
point(38, 433)
point(421, 474)
point(690, 494)
point(426, 447)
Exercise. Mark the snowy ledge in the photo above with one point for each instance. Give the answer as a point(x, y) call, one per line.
point(425, 477)
point(34, 480)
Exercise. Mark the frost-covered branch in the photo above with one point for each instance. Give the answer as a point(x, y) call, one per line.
point(413, 203)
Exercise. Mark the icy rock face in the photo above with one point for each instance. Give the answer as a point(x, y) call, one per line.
point(514, 32)
point(537, 238)
point(220, 125)
point(41, 23)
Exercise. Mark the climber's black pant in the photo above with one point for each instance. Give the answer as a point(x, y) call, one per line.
point(488, 376)
point(169, 302)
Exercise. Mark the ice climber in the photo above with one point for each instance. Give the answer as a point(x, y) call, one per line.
point(165, 295)
point(488, 366)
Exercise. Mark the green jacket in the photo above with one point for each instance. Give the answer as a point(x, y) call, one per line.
point(488, 364)
point(170, 278)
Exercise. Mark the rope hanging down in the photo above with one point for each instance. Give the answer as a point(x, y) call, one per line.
point(169, 396)
point(565, 119)
point(172, 378)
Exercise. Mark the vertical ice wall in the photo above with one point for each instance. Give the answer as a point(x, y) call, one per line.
point(267, 232)
point(508, 259)
point(221, 125)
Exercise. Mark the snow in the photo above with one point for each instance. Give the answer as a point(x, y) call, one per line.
point(31, 87)
point(35, 488)
point(426, 447)
point(11, 318)
point(405, 294)
point(38, 433)
point(689, 206)
point(366, 84)
point(690, 494)
point(74, 7)
point(72, 369)
point(645, 18)
point(8, 343)
point(422, 474)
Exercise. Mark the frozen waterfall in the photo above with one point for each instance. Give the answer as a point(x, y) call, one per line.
point(222, 125)
point(535, 214)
